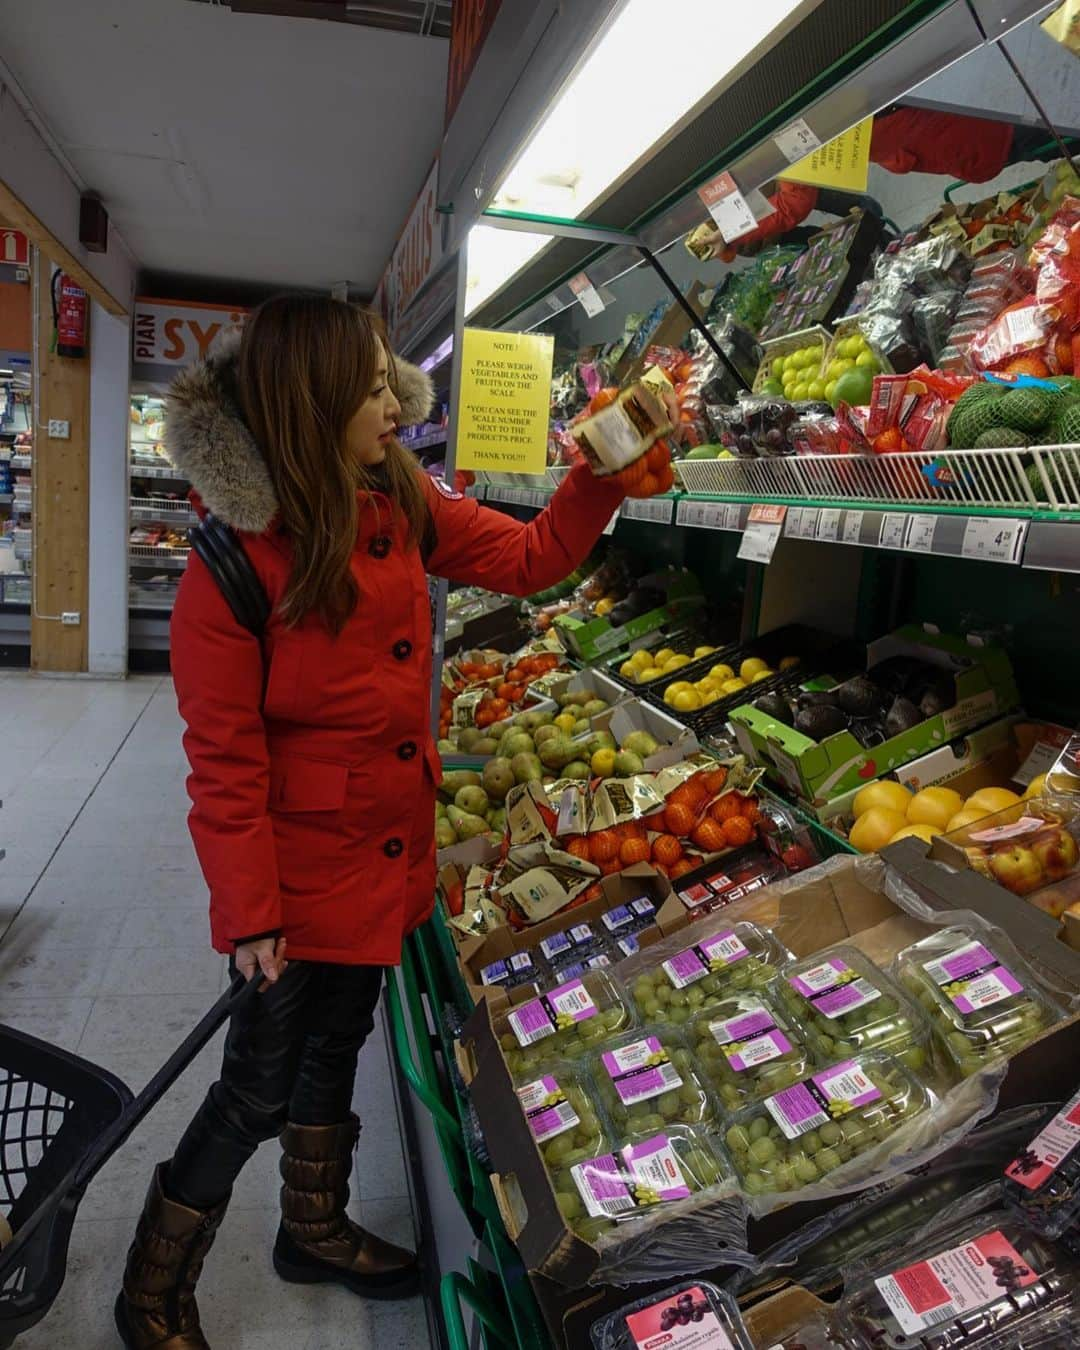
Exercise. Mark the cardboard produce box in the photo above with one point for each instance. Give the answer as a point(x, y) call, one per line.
point(590, 638)
point(818, 771)
point(831, 905)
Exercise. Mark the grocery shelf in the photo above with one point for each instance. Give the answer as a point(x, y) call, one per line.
point(165, 559)
point(154, 508)
point(22, 461)
point(159, 470)
point(427, 441)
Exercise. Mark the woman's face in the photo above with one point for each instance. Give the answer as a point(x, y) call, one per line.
point(375, 421)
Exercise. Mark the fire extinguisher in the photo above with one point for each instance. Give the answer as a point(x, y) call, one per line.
point(71, 312)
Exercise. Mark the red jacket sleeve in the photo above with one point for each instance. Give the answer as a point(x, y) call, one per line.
point(791, 203)
point(482, 547)
point(218, 672)
point(919, 140)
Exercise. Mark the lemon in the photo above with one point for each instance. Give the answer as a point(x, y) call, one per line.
point(874, 829)
point(777, 367)
point(750, 667)
point(963, 819)
point(676, 663)
point(829, 390)
point(991, 799)
point(664, 654)
point(733, 686)
point(762, 675)
point(868, 361)
point(924, 832)
point(566, 722)
point(1036, 787)
point(628, 670)
point(721, 673)
point(816, 389)
point(934, 806)
point(603, 763)
point(676, 688)
point(687, 700)
point(798, 391)
point(643, 658)
point(699, 652)
point(649, 673)
point(714, 695)
point(884, 793)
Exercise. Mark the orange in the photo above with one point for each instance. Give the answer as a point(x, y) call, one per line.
point(666, 849)
point(714, 781)
point(726, 808)
point(679, 818)
point(681, 868)
point(658, 457)
point(603, 846)
point(578, 847)
point(666, 477)
point(709, 836)
point(634, 851)
point(610, 867)
point(737, 831)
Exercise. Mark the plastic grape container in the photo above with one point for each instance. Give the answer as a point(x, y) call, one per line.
point(672, 989)
point(980, 1007)
point(800, 1135)
point(567, 1022)
point(562, 1118)
point(747, 1049)
point(521, 968)
point(647, 1080)
point(848, 1006)
point(637, 1180)
point(706, 1317)
point(985, 1284)
point(1042, 1183)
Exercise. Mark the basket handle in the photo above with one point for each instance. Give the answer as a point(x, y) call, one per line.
point(239, 993)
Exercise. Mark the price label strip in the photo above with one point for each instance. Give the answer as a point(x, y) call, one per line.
point(762, 533)
point(728, 207)
point(994, 539)
point(893, 531)
point(656, 509)
point(853, 527)
point(828, 525)
point(708, 515)
point(797, 141)
point(587, 294)
point(920, 535)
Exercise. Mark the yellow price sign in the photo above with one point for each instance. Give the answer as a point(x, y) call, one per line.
point(843, 162)
point(505, 399)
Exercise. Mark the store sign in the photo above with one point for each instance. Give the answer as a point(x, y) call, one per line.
point(843, 162)
point(173, 333)
point(14, 248)
point(470, 24)
point(504, 404)
point(417, 254)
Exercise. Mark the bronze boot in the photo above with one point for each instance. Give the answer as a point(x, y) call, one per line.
point(317, 1242)
point(156, 1308)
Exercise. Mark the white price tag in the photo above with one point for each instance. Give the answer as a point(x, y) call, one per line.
point(732, 519)
point(728, 207)
point(657, 509)
point(893, 529)
point(853, 527)
point(994, 539)
point(808, 528)
point(796, 141)
point(694, 513)
point(920, 537)
point(587, 294)
point(828, 524)
point(793, 522)
point(762, 533)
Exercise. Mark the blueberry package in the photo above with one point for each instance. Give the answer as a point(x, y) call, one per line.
point(693, 1315)
point(519, 969)
point(1042, 1183)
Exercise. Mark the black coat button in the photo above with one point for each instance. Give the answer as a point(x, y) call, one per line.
point(380, 546)
point(393, 848)
point(402, 650)
point(406, 750)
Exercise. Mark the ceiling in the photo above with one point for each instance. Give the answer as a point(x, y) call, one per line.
point(235, 147)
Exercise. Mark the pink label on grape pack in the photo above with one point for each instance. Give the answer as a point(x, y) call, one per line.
point(833, 988)
point(685, 1321)
point(543, 1016)
point(954, 1282)
point(824, 1097)
point(712, 953)
point(641, 1070)
point(546, 1109)
point(1049, 1149)
point(750, 1039)
point(973, 978)
point(641, 1175)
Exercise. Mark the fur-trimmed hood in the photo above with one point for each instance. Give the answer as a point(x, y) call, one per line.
point(208, 441)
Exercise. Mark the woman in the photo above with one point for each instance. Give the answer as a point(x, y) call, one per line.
point(313, 771)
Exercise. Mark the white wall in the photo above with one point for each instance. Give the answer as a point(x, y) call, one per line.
point(110, 377)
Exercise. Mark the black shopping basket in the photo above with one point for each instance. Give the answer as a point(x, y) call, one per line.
point(61, 1119)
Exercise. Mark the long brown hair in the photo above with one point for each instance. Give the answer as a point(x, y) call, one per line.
point(306, 365)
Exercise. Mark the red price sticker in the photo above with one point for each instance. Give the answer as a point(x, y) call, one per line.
point(728, 207)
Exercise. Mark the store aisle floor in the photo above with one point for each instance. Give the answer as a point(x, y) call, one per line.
point(104, 949)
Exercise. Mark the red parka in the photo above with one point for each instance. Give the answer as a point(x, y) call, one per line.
point(313, 770)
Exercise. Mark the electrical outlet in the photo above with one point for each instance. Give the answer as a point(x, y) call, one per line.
point(71, 618)
point(59, 431)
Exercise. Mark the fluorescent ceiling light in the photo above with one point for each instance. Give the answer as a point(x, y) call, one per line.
point(609, 117)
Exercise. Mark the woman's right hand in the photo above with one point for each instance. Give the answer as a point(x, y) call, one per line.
point(265, 956)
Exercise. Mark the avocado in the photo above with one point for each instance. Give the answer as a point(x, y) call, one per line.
point(859, 696)
point(820, 722)
point(867, 731)
point(901, 717)
point(777, 707)
point(896, 673)
point(818, 698)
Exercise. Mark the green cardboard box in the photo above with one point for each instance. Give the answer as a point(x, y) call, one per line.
point(819, 771)
point(591, 638)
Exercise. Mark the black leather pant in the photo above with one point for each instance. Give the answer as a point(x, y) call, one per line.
point(290, 1055)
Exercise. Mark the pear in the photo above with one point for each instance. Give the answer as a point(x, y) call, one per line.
point(456, 779)
point(498, 778)
point(487, 746)
point(473, 800)
point(582, 727)
point(579, 699)
point(466, 825)
point(527, 768)
point(445, 834)
point(497, 819)
point(594, 707)
point(530, 721)
point(467, 738)
point(577, 768)
point(603, 740)
point(440, 810)
point(627, 764)
point(445, 747)
point(516, 743)
point(641, 743)
point(545, 733)
point(557, 753)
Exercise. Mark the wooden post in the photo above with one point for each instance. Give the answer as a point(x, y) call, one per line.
point(61, 500)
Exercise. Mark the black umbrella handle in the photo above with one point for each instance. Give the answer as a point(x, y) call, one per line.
point(238, 995)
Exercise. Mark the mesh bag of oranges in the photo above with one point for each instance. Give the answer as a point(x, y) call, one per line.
point(622, 436)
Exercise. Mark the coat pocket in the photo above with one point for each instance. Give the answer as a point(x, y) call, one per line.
point(298, 784)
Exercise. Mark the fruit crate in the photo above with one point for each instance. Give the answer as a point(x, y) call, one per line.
point(814, 648)
point(963, 478)
point(683, 641)
point(814, 336)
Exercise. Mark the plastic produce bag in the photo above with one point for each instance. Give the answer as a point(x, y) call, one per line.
point(1042, 1183)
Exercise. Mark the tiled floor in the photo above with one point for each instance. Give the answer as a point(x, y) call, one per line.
point(104, 949)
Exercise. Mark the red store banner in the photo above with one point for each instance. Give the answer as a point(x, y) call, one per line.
point(470, 25)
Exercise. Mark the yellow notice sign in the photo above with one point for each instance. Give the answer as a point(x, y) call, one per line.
point(505, 397)
point(840, 163)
